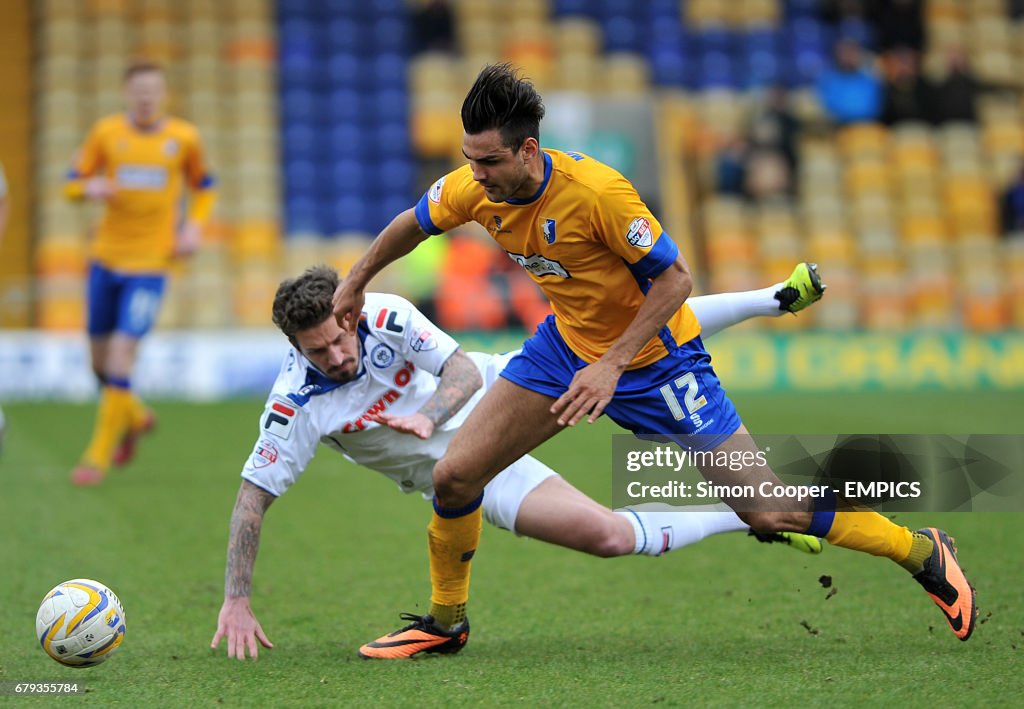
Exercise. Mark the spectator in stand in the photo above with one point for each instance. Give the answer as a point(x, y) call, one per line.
point(908, 96)
point(433, 27)
point(956, 94)
point(1012, 206)
point(850, 92)
point(773, 125)
point(731, 166)
point(900, 23)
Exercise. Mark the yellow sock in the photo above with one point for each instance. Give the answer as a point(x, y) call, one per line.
point(139, 412)
point(870, 532)
point(453, 542)
point(112, 417)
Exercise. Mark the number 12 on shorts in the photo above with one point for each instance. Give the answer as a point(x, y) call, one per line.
point(688, 385)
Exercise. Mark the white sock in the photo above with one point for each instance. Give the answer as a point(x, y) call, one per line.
point(721, 310)
point(658, 531)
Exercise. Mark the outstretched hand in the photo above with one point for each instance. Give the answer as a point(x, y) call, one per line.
point(590, 390)
point(416, 424)
point(238, 624)
point(348, 306)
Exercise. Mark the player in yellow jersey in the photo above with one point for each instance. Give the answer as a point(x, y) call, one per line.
point(622, 341)
point(137, 164)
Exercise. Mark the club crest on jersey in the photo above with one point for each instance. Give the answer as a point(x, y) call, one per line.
point(382, 356)
point(422, 341)
point(278, 418)
point(170, 147)
point(640, 233)
point(434, 194)
point(265, 454)
point(548, 227)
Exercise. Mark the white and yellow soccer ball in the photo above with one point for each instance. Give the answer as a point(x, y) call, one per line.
point(80, 623)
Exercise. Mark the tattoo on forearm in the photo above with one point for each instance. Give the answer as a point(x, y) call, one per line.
point(459, 381)
point(244, 542)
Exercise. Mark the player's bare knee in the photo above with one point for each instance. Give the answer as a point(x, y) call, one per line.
point(452, 486)
point(609, 543)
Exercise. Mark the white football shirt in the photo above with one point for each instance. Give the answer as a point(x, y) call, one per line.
point(401, 356)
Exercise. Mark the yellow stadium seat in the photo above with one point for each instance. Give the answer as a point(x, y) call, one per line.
point(863, 140)
point(702, 13)
point(923, 229)
point(577, 35)
point(1004, 137)
point(867, 176)
point(625, 75)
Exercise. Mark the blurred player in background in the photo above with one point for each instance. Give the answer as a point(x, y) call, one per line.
point(622, 341)
point(137, 164)
point(392, 396)
point(5, 213)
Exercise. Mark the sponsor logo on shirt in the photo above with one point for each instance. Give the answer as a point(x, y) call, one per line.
point(382, 356)
point(539, 266)
point(434, 194)
point(265, 454)
point(402, 378)
point(142, 177)
point(640, 233)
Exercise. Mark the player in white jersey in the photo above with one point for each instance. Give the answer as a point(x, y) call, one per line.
point(391, 398)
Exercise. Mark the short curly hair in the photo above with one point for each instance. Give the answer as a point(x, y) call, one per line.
point(305, 302)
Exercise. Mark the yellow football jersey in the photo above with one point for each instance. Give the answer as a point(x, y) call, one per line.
point(586, 238)
point(149, 169)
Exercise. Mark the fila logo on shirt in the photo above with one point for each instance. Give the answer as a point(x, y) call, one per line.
point(388, 319)
point(278, 419)
point(640, 233)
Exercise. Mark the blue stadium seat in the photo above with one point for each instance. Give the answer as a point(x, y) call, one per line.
point(715, 40)
point(300, 177)
point(801, 8)
point(348, 213)
point(662, 10)
point(716, 72)
point(301, 215)
point(763, 39)
point(616, 8)
point(346, 141)
point(390, 139)
point(388, 72)
point(296, 10)
point(348, 176)
point(670, 67)
point(299, 141)
point(803, 67)
point(393, 205)
point(298, 104)
point(390, 104)
point(621, 34)
point(393, 177)
point(390, 34)
point(762, 69)
point(344, 70)
point(573, 7)
point(343, 35)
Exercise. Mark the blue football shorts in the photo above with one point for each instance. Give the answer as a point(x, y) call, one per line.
point(679, 396)
point(127, 303)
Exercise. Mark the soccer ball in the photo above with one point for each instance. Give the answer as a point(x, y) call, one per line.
point(80, 623)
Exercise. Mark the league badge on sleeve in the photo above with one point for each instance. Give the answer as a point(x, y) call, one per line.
point(422, 340)
point(640, 233)
point(278, 418)
point(434, 194)
point(265, 454)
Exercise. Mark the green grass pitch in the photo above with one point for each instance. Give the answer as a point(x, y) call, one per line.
point(727, 622)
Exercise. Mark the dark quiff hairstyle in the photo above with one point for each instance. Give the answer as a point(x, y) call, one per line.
point(501, 99)
point(305, 302)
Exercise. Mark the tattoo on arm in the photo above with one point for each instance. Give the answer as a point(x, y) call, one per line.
point(244, 542)
point(459, 381)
